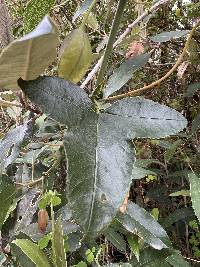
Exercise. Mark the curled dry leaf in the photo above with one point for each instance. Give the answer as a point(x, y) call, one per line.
point(42, 220)
point(136, 48)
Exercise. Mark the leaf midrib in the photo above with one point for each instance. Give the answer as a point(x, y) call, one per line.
point(95, 177)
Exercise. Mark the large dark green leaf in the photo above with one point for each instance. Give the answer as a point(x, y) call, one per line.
point(100, 156)
point(28, 56)
point(35, 11)
point(124, 73)
point(33, 252)
point(137, 220)
point(195, 193)
point(167, 36)
point(7, 195)
point(64, 101)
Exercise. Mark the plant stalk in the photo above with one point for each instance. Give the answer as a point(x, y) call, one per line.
point(109, 47)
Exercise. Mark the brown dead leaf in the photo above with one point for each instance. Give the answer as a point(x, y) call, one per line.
point(136, 48)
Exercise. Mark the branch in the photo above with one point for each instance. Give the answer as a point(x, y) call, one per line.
point(121, 37)
point(152, 85)
point(113, 32)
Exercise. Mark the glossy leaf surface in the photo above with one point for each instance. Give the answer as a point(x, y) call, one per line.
point(99, 152)
point(137, 220)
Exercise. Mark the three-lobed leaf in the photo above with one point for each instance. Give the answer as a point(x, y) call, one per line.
point(75, 56)
point(28, 56)
point(99, 152)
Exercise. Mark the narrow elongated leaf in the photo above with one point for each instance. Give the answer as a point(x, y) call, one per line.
point(177, 261)
point(115, 238)
point(195, 193)
point(100, 156)
point(152, 258)
point(167, 36)
point(196, 123)
point(33, 252)
point(192, 88)
point(58, 244)
point(139, 173)
point(29, 56)
point(185, 193)
point(75, 56)
point(7, 195)
point(179, 214)
point(35, 11)
point(124, 73)
point(171, 150)
point(139, 221)
point(83, 7)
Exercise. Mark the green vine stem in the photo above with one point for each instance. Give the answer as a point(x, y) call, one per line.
point(109, 47)
point(87, 13)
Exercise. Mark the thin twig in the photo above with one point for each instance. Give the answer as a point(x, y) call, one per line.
point(121, 37)
point(156, 83)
